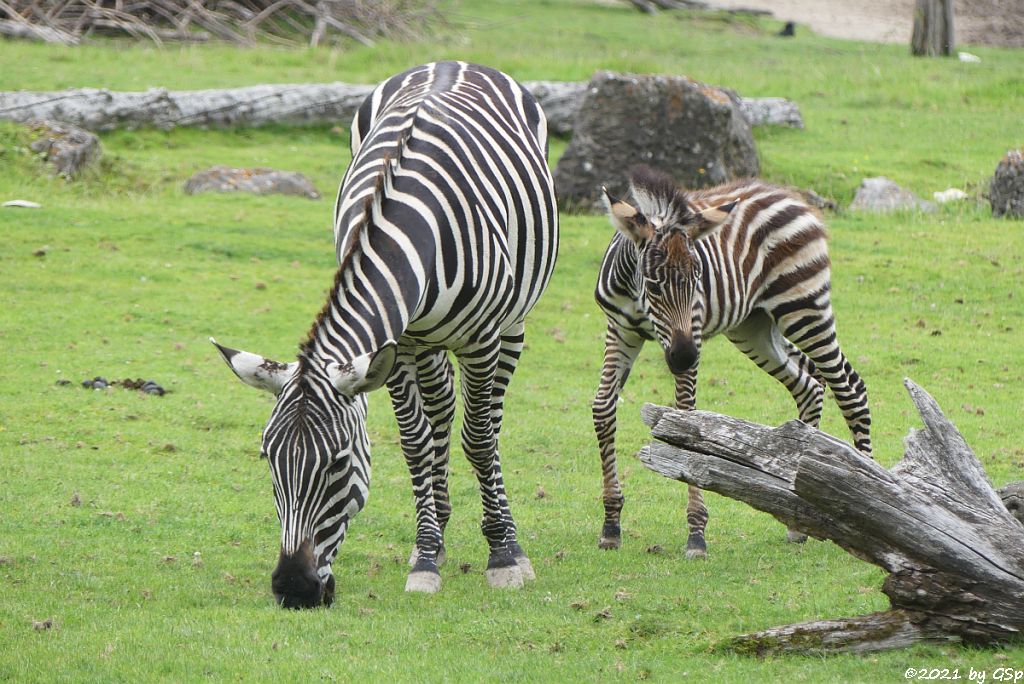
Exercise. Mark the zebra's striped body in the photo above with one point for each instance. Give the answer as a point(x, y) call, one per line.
point(446, 236)
point(748, 260)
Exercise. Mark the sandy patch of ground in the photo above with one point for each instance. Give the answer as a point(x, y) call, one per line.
point(978, 22)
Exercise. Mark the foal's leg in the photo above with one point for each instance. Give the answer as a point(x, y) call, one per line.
point(760, 339)
point(696, 511)
point(620, 351)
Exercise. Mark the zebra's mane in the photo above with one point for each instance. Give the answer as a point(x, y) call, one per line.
point(372, 207)
point(657, 196)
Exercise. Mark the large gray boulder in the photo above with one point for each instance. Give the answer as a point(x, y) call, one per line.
point(69, 149)
point(1007, 190)
point(695, 132)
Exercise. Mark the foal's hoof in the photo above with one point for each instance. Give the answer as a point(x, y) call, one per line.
point(611, 536)
point(696, 547)
point(425, 582)
point(795, 537)
point(508, 577)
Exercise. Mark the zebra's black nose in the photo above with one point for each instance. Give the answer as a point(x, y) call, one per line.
point(295, 582)
point(682, 354)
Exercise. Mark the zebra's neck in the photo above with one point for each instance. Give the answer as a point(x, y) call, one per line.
point(372, 301)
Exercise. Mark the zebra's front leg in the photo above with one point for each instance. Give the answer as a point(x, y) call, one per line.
point(418, 447)
point(478, 367)
point(620, 351)
point(437, 389)
point(696, 511)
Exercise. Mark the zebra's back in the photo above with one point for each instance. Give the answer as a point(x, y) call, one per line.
point(467, 148)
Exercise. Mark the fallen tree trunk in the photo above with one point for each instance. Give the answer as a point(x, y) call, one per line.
point(954, 552)
point(332, 103)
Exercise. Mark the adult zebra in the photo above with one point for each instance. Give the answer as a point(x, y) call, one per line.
point(446, 234)
point(746, 259)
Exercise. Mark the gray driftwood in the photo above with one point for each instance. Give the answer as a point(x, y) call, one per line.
point(314, 103)
point(954, 552)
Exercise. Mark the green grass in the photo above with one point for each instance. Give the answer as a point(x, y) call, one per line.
point(136, 275)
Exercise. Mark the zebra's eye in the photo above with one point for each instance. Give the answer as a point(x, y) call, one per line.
point(653, 288)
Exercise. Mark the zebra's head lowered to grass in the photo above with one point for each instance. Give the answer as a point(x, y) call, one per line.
point(665, 227)
point(319, 454)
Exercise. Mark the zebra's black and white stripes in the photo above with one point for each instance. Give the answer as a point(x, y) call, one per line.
point(446, 235)
point(748, 260)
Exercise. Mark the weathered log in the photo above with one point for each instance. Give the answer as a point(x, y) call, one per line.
point(104, 110)
point(954, 552)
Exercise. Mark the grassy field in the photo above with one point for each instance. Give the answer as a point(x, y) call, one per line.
point(144, 527)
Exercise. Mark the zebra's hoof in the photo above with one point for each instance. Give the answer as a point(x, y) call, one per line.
point(526, 567)
point(795, 537)
point(696, 554)
point(508, 577)
point(609, 543)
point(425, 582)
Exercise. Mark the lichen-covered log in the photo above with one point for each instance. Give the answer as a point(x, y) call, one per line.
point(954, 552)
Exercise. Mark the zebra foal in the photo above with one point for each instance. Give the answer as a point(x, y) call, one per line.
point(446, 235)
point(748, 260)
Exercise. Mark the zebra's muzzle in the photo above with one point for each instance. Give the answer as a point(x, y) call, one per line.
point(682, 353)
point(296, 584)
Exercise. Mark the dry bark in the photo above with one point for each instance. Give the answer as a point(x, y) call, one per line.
point(954, 552)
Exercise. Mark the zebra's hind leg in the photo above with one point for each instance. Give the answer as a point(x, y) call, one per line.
point(418, 447)
point(508, 360)
point(813, 331)
point(696, 511)
point(620, 351)
point(437, 388)
point(478, 367)
point(761, 340)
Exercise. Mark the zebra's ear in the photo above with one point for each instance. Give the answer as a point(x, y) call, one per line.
point(364, 373)
point(255, 370)
point(627, 220)
point(707, 221)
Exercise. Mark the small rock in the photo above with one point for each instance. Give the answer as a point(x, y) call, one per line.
point(950, 195)
point(42, 625)
point(540, 493)
point(23, 204)
point(968, 57)
point(96, 383)
point(260, 181)
point(69, 149)
point(882, 194)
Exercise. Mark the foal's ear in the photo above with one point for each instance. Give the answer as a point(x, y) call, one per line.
point(255, 370)
point(707, 221)
point(364, 373)
point(627, 219)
